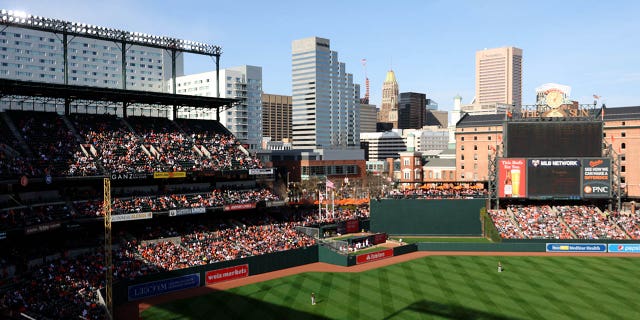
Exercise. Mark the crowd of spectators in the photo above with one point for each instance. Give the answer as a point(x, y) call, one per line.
point(587, 222)
point(215, 198)
point(48, 137)
point(108, 145)
point(564, 222)
point(631, 224)
point(33, 215)
point(65, 288)
point(439, 193)
point(540, 222)
point(505, 224)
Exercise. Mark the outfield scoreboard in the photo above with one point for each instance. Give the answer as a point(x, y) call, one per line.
point(554, 178)
point(553, 139)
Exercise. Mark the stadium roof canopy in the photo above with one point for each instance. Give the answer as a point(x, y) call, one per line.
point(481, 120)
point(19, 88)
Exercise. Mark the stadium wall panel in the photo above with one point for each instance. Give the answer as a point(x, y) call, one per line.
point(482, 247)
point(450, 217)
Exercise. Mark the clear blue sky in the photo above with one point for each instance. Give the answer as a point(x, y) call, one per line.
point(592, 46)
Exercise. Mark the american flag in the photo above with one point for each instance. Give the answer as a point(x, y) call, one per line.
point(330, 185)
point(597, 97)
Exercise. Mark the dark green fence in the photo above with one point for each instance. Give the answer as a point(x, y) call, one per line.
point(327, 255)
point(454, 217)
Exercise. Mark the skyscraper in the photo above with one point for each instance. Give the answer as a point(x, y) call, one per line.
point(276, 117)
point(389, 107)
point(325, 113)
point(499, 76)
point(412, 110)
point(244, 119)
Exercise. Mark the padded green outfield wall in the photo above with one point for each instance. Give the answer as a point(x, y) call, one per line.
point(432, 217)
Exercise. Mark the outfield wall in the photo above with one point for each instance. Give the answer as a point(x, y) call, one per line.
point(430, 217)
point(175, 280)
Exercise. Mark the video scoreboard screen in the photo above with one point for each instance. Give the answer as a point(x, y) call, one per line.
point(553, 139)
point(554, 178)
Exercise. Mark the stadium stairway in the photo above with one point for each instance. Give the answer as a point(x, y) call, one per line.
point(564, 223)
point(16, 134)
point(515, 222)
point(71, 128)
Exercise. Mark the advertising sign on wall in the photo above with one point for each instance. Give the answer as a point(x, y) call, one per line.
point(225, 274)
point(596, 178)
point(512, 178)
point(155, 288)
point(374, 256)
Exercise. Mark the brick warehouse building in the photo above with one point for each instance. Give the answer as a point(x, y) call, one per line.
point(478, 136)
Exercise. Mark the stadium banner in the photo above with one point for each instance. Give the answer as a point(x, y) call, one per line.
point(128, 176)
point(186, 211)
point(512, 179)
point(255, 172)
point(239, 206)
point(226, 274)
point(352, 226)
point(131, 216)
point(596, 178)
point(169, 175)
point(374, 256)
point(576, 247)
point(155, 288)
point(275, 203)
point(42, 227)
point(624, 247)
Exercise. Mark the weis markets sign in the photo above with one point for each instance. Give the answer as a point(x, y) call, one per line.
point(374, 256)
point(226, 274)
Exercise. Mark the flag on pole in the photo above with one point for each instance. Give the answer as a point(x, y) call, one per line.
point(330, 185)
point(597, 97)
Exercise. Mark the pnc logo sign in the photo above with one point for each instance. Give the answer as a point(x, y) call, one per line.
point(596, 189)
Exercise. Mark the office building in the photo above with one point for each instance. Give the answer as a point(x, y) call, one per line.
point(276, 117)
point(244, 119)
point(368, 117)
point(389, 107)
point(32, 55)
point(412, 110)
point(325, 112)
point(383, 145)
point(499, 76)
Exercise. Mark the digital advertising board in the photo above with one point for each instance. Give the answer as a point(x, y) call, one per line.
point(561, 139)
point(554, 178)
point(596, 178)
point(512, 178)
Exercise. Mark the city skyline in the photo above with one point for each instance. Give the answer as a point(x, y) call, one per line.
point(584, 44)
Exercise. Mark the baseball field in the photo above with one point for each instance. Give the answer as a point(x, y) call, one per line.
point(434, 287)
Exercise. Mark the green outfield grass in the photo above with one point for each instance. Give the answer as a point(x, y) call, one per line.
point(437, 287)
point(441, 239)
